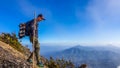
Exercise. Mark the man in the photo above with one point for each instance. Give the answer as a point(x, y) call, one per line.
point(29, 31)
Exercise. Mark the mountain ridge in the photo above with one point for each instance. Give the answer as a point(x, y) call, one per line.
point(90, 56)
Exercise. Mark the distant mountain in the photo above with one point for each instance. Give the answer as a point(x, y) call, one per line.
point(94, 57)
point(45, 49)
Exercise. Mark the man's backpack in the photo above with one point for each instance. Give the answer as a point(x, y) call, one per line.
point(22, 28)
point(25, 29)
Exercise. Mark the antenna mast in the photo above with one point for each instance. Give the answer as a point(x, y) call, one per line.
point(34, 36)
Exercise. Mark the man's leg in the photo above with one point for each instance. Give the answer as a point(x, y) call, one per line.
point(30, 58)
point(37, 51)
point(31, 55)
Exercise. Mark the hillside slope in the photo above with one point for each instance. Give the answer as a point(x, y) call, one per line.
point(9, 57)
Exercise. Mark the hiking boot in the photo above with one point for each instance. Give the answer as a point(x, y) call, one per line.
point(40, 65)
point(29, 60)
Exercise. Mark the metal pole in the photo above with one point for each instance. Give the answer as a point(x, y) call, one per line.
point(34, 36)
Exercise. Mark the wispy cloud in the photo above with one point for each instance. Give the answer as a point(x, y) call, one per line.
point(104, 12)
point(104, 18)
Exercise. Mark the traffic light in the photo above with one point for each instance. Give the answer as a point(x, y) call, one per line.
point(22, 27)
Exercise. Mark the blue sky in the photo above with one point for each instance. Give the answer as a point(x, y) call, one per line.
point(67, 21)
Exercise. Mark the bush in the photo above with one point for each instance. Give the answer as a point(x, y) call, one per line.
point(59, 63)
point(12, 40)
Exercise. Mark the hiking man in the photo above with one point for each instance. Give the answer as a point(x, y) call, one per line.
point(29, 31)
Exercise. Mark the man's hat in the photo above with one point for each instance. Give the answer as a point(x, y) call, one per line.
point(40, 15)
